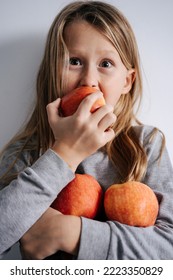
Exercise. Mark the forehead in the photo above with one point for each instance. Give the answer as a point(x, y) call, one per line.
point(81, 33)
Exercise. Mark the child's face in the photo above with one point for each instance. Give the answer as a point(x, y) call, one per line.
point(95, 62)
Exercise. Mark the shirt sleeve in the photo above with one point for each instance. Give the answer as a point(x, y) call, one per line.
point(28, 197)
point(113, 240)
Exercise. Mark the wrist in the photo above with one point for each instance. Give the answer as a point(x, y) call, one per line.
point(67, 154)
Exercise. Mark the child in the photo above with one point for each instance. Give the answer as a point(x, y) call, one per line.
point(89, 44)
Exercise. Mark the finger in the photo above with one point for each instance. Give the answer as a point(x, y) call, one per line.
point(103, 111)
point(87, 103)
point(107, 121)
point(109, 134)
point(52, 110)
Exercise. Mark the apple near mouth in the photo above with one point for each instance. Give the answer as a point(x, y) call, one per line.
point(71, 101)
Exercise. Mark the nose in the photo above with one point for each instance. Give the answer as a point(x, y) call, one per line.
point(89, 77)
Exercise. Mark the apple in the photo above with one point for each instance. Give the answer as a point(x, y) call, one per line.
point(81, 197)
point(132, 203)
point(71, 101)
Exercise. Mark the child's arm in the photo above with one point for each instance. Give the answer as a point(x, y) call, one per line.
point(25, 199)
point(28, 197)
point(76, 137)
point(51, 233)
point(80, 135)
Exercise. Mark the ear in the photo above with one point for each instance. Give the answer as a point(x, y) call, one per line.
point(130, 77)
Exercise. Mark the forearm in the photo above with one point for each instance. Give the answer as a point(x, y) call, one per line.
point(28, 197)
point(53, 232)
point(70, 229)
point(113, 241)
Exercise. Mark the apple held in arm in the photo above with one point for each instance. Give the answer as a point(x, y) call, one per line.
point(132, 203)
point(71, 101)
point(81, 197)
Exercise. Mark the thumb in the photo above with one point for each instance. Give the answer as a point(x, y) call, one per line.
point(53, 110)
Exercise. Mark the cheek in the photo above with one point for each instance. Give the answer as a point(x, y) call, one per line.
point(112, 95)
point(69, 86)
point(113, 90)
point(112, 99)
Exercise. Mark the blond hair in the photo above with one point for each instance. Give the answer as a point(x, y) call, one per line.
point(125, 150)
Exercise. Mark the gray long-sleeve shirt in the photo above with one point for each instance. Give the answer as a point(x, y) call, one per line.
point(26, 198)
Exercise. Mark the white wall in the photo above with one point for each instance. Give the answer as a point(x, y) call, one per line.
point(152, 22)
point(23, 28)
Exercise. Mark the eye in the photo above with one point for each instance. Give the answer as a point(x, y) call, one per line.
point(75, 61)
point(106, 64)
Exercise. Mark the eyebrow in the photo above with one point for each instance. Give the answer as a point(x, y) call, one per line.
point(101, 52)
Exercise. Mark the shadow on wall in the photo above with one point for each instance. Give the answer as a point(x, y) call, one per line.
point(20, 58)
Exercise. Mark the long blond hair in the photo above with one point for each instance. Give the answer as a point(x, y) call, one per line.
point(125, 150)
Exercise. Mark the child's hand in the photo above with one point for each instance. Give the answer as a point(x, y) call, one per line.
point(51, 233)
point(83, 133)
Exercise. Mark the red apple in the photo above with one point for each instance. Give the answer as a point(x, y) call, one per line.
point(81, 197)
point(132, 203)
point(71, 101)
